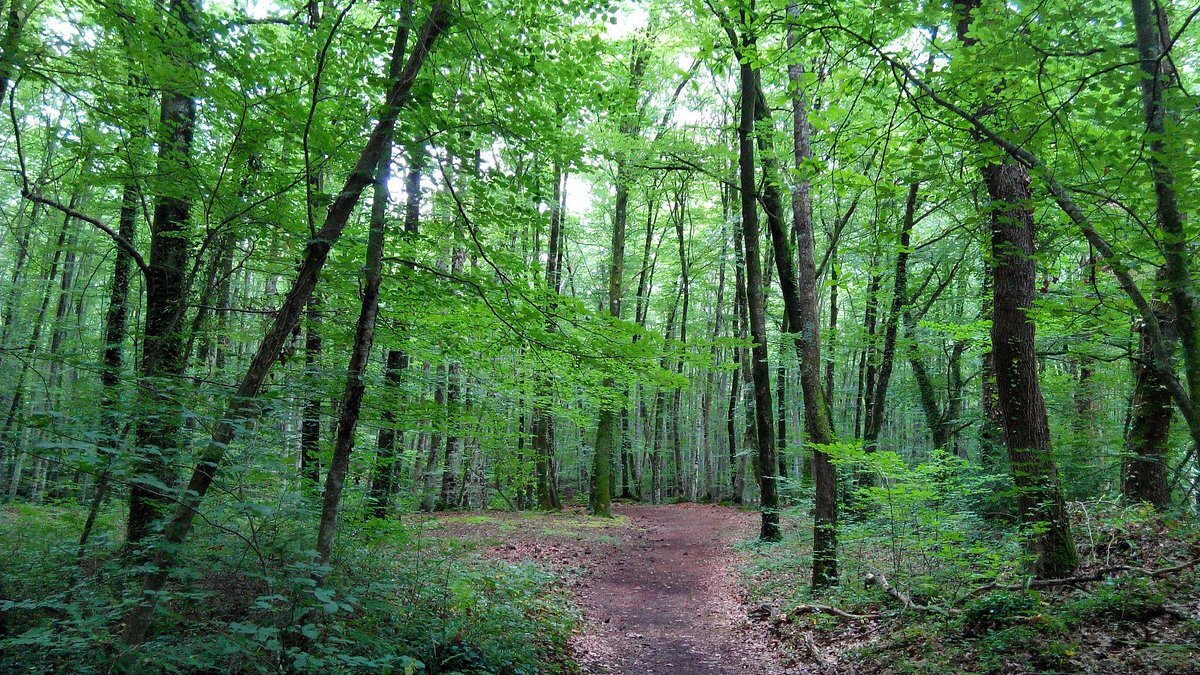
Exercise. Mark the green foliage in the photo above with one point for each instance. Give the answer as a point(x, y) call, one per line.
point(1001, 609)
point(927, 517)
point(400, 603)
point(1027, 643)
point(1125, 598)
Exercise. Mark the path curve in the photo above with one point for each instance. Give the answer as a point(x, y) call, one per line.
point(667, 601)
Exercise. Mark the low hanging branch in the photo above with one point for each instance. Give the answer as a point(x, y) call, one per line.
point(36, 198)
point(1064, 200)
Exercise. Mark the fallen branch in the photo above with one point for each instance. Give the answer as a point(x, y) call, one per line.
point(903, 599)
point(822, 609)
point(1099, 575)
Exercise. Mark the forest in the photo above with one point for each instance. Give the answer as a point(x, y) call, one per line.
point(599, 336)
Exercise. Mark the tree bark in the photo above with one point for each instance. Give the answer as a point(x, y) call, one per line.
point(543, 420)
point(1144, 470)
point(364, 332)
point(159, 429)
point(807, 320)
point(13, 25)
point(891, 325)
point(113, 355)
point(680, 486)
point(1022, 408)
point(448, 494)
point(755, 296)
point(1158, 77)
point(1019, 394)
point(709, 394)
point(606, 429)
point(310, 424)
point(865, 396)
point(391, 439)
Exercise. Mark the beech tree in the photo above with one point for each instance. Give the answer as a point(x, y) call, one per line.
point(805, 259)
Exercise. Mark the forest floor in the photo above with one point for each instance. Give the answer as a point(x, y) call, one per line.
point(683, 589)
point(658, 586)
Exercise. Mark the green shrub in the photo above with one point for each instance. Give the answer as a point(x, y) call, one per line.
point(999, 609)
point(1136, 599)
point(394, 602)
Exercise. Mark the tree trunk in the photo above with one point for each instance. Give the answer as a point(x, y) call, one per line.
point(364, 331)
point(831, 352)
point(448, 494)
point(391, 439)
point(991, 433)
point(755, 297)
point(680, 486)
point(1158, 77)
point(741, 323)
point(113, 356)
point(433, 463)
point(241, 404)
point(159, 428)
point(1019, 393)
point(1144, 475)
point(11, 44)
point(1023, 411)
point(710, 387)
point(818, 420)
point(606, 430)
point(781, 411)
point(891, 323)
point(35, 338)
point(543, 420)
point(310, 425)
point(866, 366)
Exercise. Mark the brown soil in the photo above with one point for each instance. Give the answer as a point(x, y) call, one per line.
point(666, 600)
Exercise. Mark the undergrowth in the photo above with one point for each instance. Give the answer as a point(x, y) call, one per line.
point(397, 601)
point(934, 532)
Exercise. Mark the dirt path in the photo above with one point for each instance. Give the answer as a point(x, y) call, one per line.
point(666, 602)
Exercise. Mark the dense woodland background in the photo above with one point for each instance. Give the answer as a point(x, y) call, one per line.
point(277, 275)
